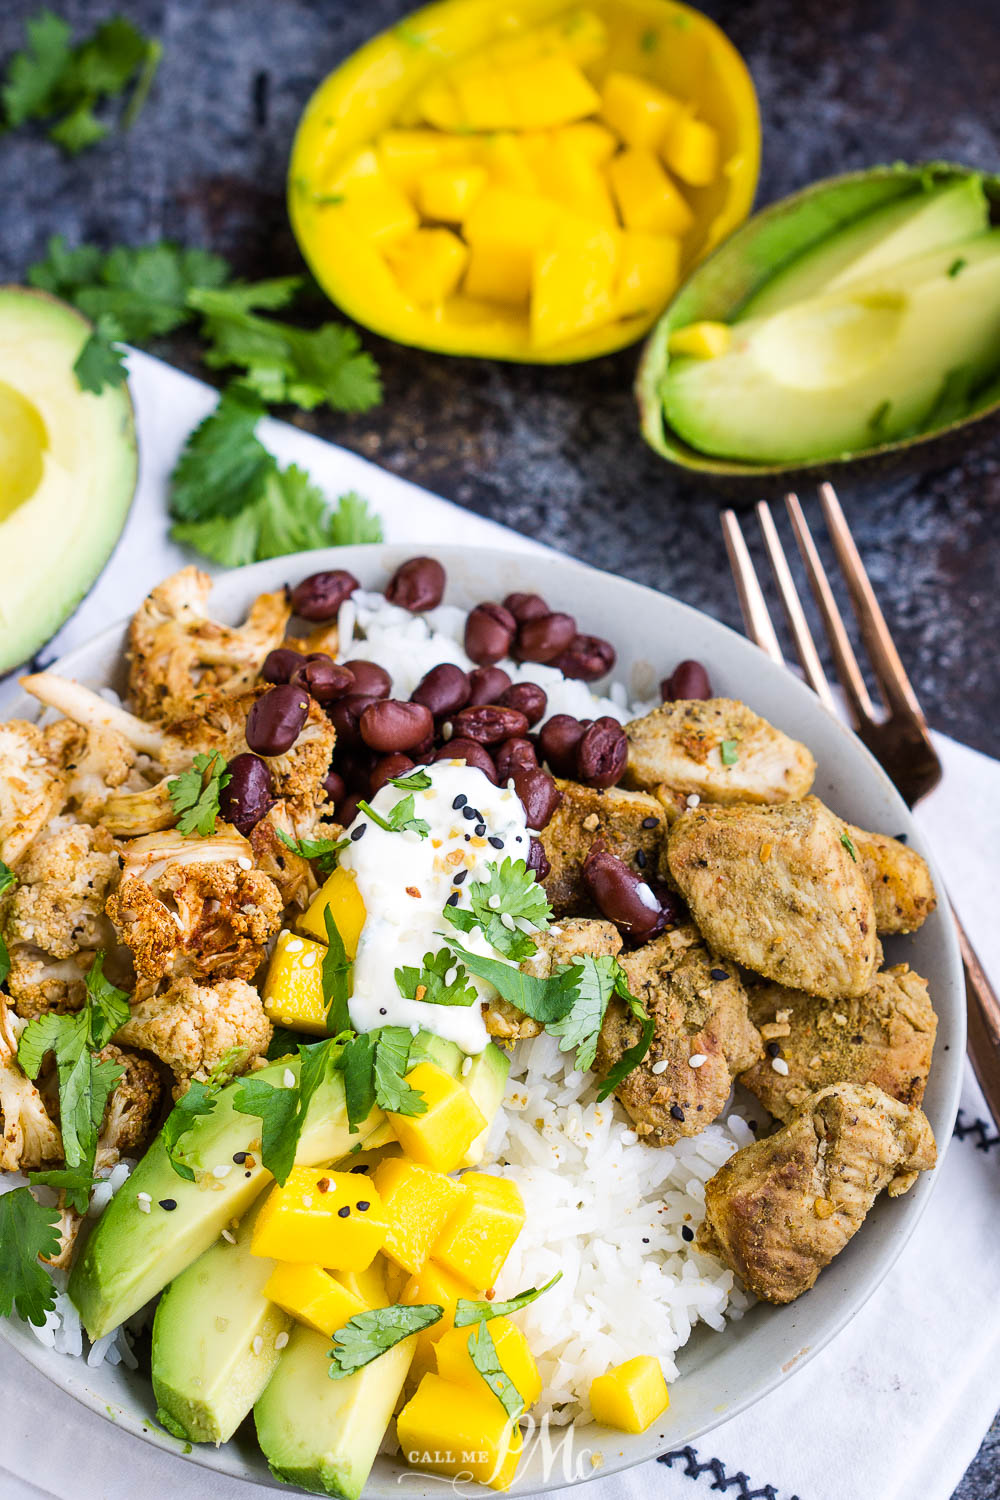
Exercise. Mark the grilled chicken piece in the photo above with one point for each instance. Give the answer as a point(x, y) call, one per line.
point(575, 937)
point(900, 881)
point(884, 1038)
point(776, 889)
point(719, 750)
point(700, 1010)
point(782, 1208)
point(632, 826)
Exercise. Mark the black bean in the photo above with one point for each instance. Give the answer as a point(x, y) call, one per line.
point(528, 698)
point(473, 754)
point(688, 680)
point(602, 753)
point(322, 678)
point(622, 896)
point(544, 638)
point(249, 793)
point(537, 859)
point(320, 596)
point(387, 769)
point(487, 685)
point(538, 793)
point(526, 606)
point(514, 754)
point(276, 719)
point(558, 739)
point(489, 633)
point(417, 584)
point(392, 725)
point(278, 665)
point(370, 679)
point(444, 689)
point(489, 724)
point(586, 658)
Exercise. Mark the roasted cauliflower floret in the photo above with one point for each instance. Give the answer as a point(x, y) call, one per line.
point(30, 1138)
point(297, 818)
point(176, 649)
point(190, 907)
point(132, 1110)
point(95, 762)
point(32, 786)
point(191, 1027)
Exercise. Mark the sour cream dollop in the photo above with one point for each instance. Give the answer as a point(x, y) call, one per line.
point(406, 879)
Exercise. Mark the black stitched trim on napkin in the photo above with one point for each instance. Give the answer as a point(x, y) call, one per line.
point(695, 1469)
point(978, 1131)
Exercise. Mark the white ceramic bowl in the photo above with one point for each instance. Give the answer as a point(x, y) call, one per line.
point(720, 1373)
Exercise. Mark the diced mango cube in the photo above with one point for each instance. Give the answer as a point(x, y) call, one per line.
point(347, 907)
point(368, 1284)
point(503, 217)
point(438, 104)
point(547, 92)
point(406, 155)
point(580, 34)
point(640, 112)
point(293, 988)
point(568, 175)
point(312, 1296)
point(449, 192)
point(451, 1429)
point(647, 198)
point(691, 149)
point(704, 340)
point(433, 1284)
point(439, 1137)
point(327, 1218)
point(648, 272)
point(506, 160)
point(416, 1204)
point(478, 1237)
point(499, 273)
point(591, 139)
point(377, 210)
point(571, 289)
point(454, 1362)
point(484, 100)
point(630, 1396)
point(428, 264)
point(358, 169)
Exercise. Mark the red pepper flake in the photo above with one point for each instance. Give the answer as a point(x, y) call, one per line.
point(491, 1293)
point(323, 1186)
point(411, 890)
point(420, 992)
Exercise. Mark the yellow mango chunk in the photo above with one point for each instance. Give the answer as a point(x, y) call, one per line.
point(438, 104)
point(433, 1284)
point(499, 273)
point(484, 100)
point(592, 139)
point(293, 988)
point(701, 340)
point(407, 155)
point(439, 1137)
point(340, 893)
point(428, 264)
point(454, 1362)
point(478, 1237)
point(630, 1396)
point(647, 198)
point(368, 1284)
point(377, 210)
point(507, 162)
point(571, 289)
point(640, 112)
point(363, 167)
point(452, 1429)
point(312, 1296)
point(691, 149)
point(648, 272)
point(503, 217)
point(317, 1216)
point(449, 192)
point(547, 92)
point(580, 35)
point(567, 175)
point(416, 1204)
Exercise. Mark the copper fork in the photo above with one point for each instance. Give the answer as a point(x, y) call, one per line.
point(898, 738)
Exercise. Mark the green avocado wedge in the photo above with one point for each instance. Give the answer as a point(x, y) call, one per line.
point(779, 244)
point(68, 466)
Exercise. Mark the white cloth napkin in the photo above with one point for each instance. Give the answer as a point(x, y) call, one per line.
point(893, 1409)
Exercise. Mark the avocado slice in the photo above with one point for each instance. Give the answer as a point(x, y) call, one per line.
point(486, 1080)
point(925, 220)
point(68, 465)
point(214, 1340)
point(324, 1434)
point(844, 372)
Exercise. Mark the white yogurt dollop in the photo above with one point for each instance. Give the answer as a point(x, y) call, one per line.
point(405, 880)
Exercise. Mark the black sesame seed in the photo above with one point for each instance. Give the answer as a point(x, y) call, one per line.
point(361, 1168)
point(857, 1039)
point(752, 1125)
point(900, 837)
point(468, 838)
point(239, 1157)
point(382, 1011)
point(358, 832)
point(363, 1205)
point(480, 830)
point(457, 879)
point(774, 1049)
point(471, 812)
point(247, 1174)
point(650, 822)
point(640, 859)
point(645, 1241)
point(460, 801)
point(687, 1233)
point(169, 1204)
point(719, 974)
point(452, 899)
point(343, 1212)
point(676, 1111)
point(496, 841)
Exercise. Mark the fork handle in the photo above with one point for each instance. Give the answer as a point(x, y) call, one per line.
point(984, 1023)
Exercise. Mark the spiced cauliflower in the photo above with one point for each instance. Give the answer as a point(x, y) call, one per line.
point(191, 1027)
point(132, 1110)
point(95, 762)
point(32, 786)
point(30, 1137)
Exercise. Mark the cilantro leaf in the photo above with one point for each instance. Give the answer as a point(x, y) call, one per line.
point(597, 980)
point(79, 129)
point(336, 978)
point(283, 1043)
point(101, 361)
point(415, 781)
point(848, 843)
point(198, 1100)
point(544, 1000)
point(147, 288)
point(27, 1230)
point(467, 1311)
point(632, 1056)
point(323, 851)
point(76, 1182)
point(352, 522)
point(32, 75)
point(357, 1062)
point(223, 468)
point(440, 981)
point(483, 1352)
point(401, 818)
point(108, 1006)
point(392, 1092)
point(282, 1111)
point(7, 881)
point(194, 794)
point(495, 905)
point(729, 752)
point(369, 1334)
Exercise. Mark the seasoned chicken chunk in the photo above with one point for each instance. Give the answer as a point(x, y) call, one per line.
point(900, 881)
point(776, 889)
point(192, 1027)
point(632, 826)
point(32, 786)
point(782, 1208)
point(719, 750)
point(885, 1037)
point(703, 1036)
point(575, 937)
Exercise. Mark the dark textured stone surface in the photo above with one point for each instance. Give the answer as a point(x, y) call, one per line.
point(554, 452)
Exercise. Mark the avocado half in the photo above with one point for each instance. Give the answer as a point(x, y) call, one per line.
point(725, 283)
point(68, 466)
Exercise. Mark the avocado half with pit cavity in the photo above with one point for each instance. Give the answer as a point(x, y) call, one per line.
point(867, 224)
point(68, 465)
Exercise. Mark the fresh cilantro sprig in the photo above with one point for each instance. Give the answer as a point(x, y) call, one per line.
point(392, 1092)
point(199, 1100)
point(357, 1061)
point(7, 880)
point(282, 1111)
point(402, 818)
point(483, 1352)
point(322, 851)
point(52, 80)
point(597, 980)
point(849, 845)
point(544, 1000)
point(369, 1334)
point(415, 781)
point(336, 978)
point(440, 980)
point(468, 1311)
point(511, 894)
point(27, 1230)
point(194, 794)
point(634, 1055)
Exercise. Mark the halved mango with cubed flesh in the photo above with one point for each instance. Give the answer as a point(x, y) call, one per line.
point(454, 1429)
point(454, 1361)
point(450, 1122)
point(293, 986)
point(573, 282)
point(630, 1396)
point(478, 1237)
point(416, 1204)
point(691, 150)
point(428, 264)
point(326, 1218)
point(648, 271)
point(647, 197)
point(434, 1284)
point(637, 110)
point(449, 192)
point(312, 1296)
point(347, 907)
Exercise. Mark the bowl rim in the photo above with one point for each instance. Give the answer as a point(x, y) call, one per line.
point(232, 590)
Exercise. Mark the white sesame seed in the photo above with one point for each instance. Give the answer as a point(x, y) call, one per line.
point(508, 921)
point(244, 863)
point(447, 730)
point(692, 799)
point(511, 784)
point(257, 1344)
point(780, 1066)
point(281, 1341)
point(144, 1197)
point(294, 945)
point(466, 1067)
point(309, 958)
point(288, 1078)
point(494, 903)
point(840, 1019)
point(660, 1067)
point(229, 1237)
point(697, 1060)
point(145, 1208)
point(222, 1170)
point(307, 1200)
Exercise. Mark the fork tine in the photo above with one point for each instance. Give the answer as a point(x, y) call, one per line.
point(805, 646)
point(890, 673)
point(752, 604)
point(844, 660)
